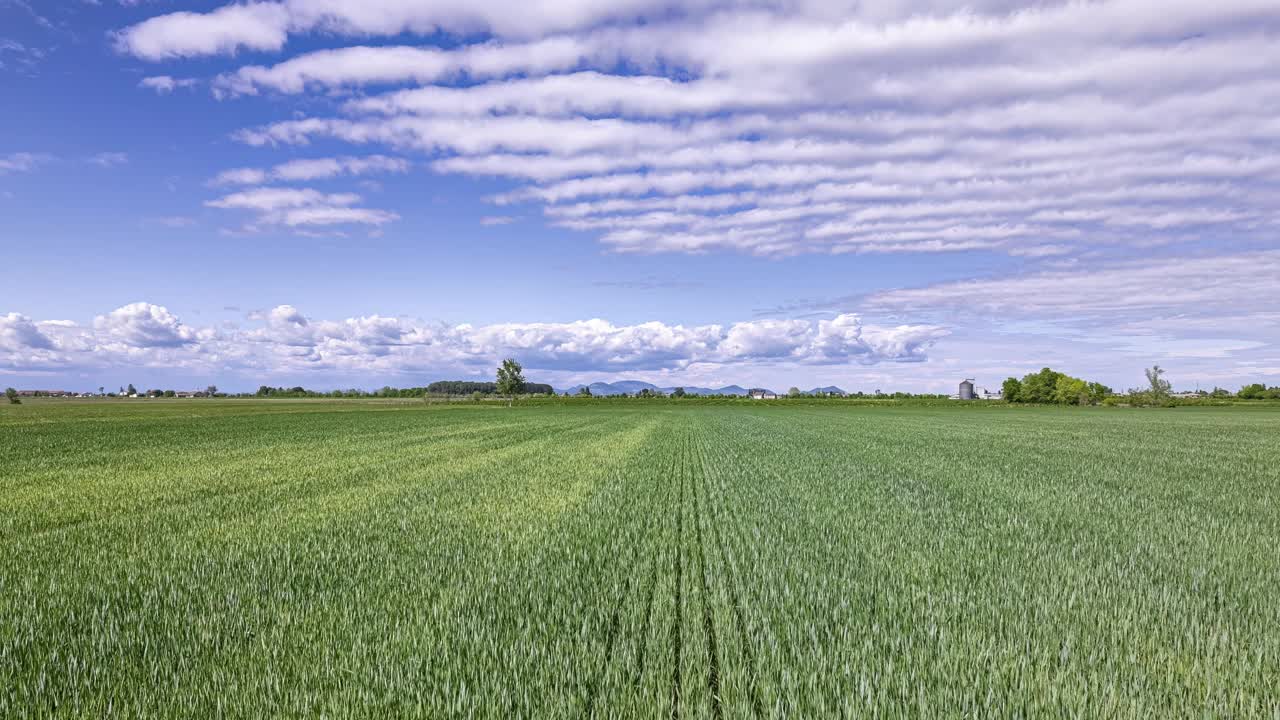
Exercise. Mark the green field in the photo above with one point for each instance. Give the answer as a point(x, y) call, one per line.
point(333, 559)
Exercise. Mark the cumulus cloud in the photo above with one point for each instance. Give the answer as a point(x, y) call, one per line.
point(143, 325)
point(283, 340)
point(18, 332)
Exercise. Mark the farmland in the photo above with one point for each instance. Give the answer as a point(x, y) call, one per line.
point(312, 558)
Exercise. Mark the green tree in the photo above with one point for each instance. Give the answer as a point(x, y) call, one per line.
point(169, 393)
point(131, 391)
point(510, 379)
point(1254, 391)
point(211, 390)
point(793, 392)
point(1070, 391)
point(13, 396)
point(1097, 392)
point(1159, 386)
point(1011, 390)
point(1039, 387)
point(677, 393)
point(584, 391)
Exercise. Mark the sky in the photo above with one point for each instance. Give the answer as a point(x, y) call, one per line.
point(876, 195)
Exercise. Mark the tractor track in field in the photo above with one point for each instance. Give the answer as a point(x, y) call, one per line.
point(615, 619)
point(732, 579)
point(650, 593)
point(677, 646)
point(708, 621)
point(648, 622)
point(751, 546)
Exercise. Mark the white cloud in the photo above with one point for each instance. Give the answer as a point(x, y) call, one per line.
point(241, 176)
point(283, 340)
point(1035, 130)
point(108, 159)
point(302, 207)
point(17, 332)
point(355, 66)
point(165, 84)
point(266, 25)
point(143, 325)
point(318, 168)
point(313, 169)
point(269, 199)
point(1193, 286)
point(589, 92)
point(21, 162)
point(252, 26)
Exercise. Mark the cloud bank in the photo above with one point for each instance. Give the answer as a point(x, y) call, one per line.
point(1036, 130)
point(283, 341)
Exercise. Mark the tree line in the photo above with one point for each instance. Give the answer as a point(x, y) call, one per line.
point(1049, 386)
point(467, 387)
point(1052, 387)
point(1258, 391)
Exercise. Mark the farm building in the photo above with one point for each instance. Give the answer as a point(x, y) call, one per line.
point(762, 394)
point(966, 390)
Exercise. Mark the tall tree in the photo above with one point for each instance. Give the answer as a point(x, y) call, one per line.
point(510, 379)
point(13, 396)
point(1159, 386)
point(1011, 390)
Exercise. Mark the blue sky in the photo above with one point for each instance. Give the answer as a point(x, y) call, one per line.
point(869, 194)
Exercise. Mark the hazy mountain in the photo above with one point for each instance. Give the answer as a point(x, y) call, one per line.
point(825, 390)
point(695, 390)
point(631, 387)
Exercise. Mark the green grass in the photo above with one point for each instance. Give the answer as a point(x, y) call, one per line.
point(338, 559)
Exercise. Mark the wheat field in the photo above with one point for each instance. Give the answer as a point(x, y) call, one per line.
point(637, 559)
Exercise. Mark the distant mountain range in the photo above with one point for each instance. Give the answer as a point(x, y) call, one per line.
point(631, 387)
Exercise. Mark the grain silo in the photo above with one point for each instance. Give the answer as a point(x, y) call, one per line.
point(966, 389)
